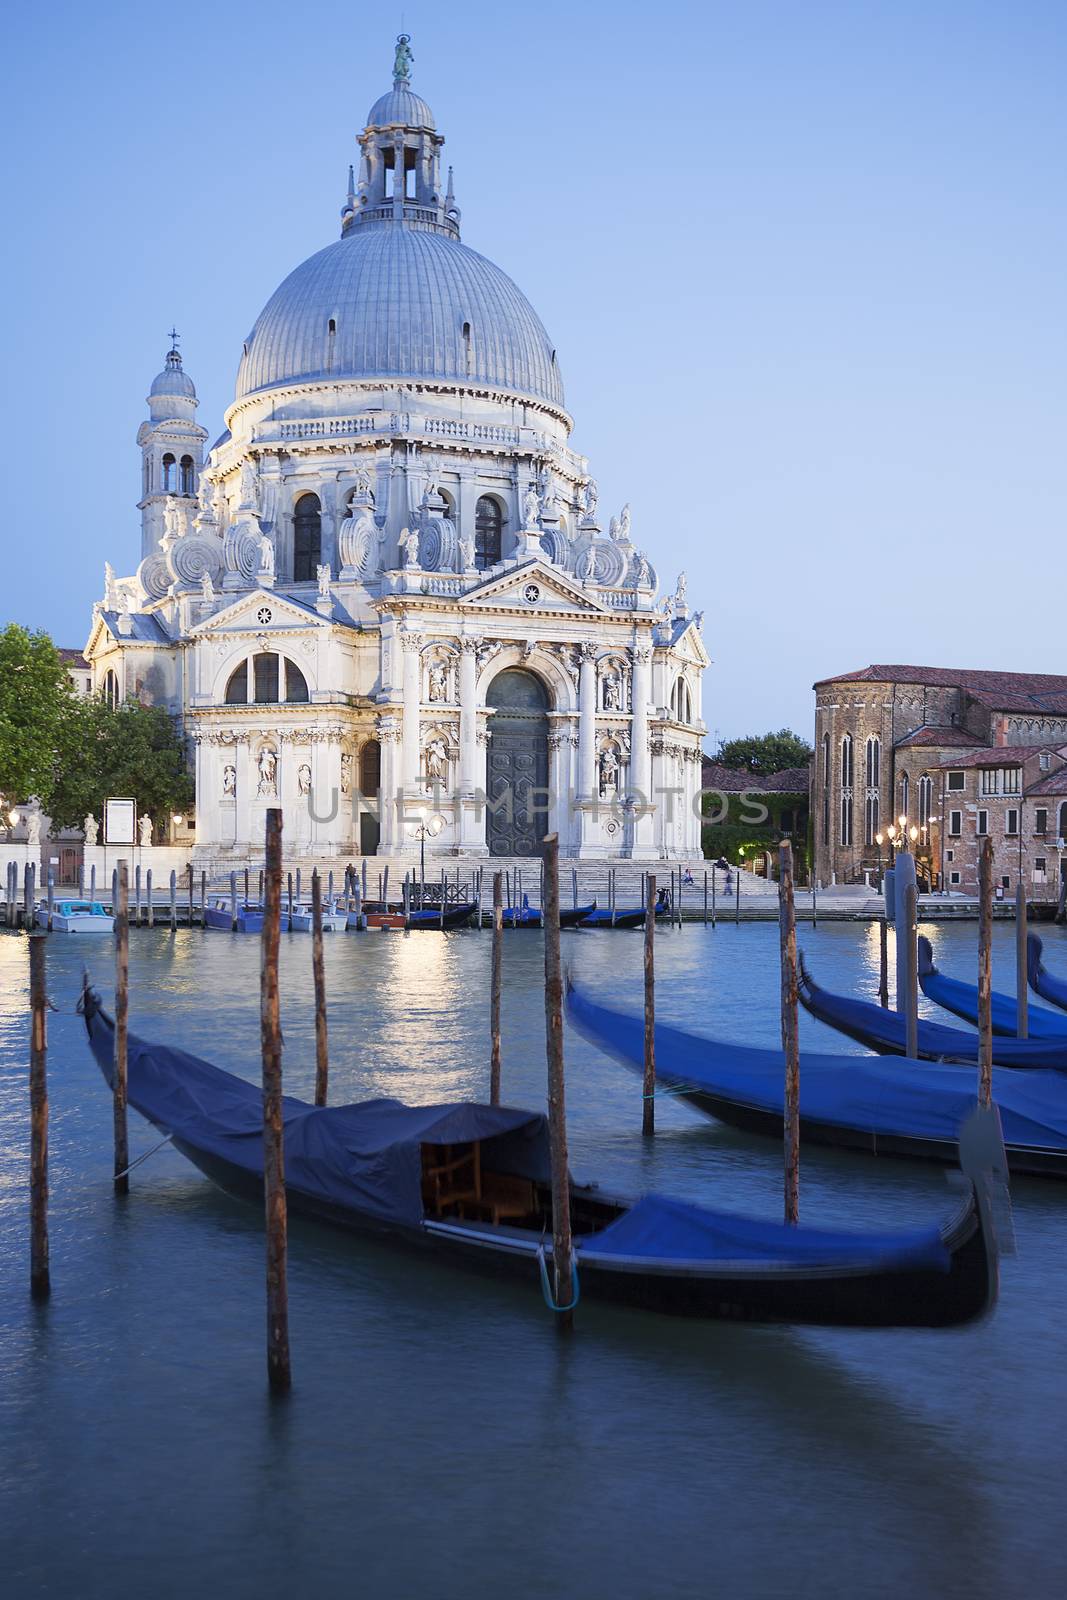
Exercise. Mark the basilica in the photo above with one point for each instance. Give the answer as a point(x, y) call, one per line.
point(387, 598)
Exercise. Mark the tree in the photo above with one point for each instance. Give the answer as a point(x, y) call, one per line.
point(35, 696)
point(130, 750)
point(764, 753)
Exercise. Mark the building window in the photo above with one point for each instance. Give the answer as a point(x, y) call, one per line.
point(1040, 868)
point(488, 532)
point(265, 677)
point(846, 761)
point(170, 474)
point(681, 705)
point(954, 877)
point(846, 819)
point(950, 855)
point(926, 795)
point(1011, 824)
point(955, 824)
point(1044, 761)
point(1063, 820)
point(870, 819)
point(1001, 780)
point(111, 689)
point(874, 763)
point(307, 538)
point(956, 782)
point(370, 768)
point(905, 794)
point(187, 476)
point(1041, 820)
point(274, 680)
point(1005, 882)
point(983, 823)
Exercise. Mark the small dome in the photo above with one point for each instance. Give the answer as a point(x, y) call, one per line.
point(401, 107)
point(172, 380)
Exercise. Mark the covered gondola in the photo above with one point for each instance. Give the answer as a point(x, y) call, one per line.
point(606, 918)
point(962, 999)
point(883, 1106)
point(1041, 980)
point(885, 1031)
point(458, 916)
point(472, 1183)
point(574, 916)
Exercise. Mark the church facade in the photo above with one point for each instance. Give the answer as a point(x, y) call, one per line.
point(386, 598)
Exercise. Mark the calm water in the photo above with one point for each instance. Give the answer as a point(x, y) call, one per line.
point(440, 1438)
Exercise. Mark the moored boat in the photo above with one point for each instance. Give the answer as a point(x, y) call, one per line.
point(334, 918)
point(572, 917)
point(457, 916)
point(472, 1183)
point(76, 916)
point(1041, 980)
point(219, 914)
point(962, 999)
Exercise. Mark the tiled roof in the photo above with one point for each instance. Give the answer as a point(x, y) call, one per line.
point(1005, 688)
point(72, 658)
point(993, 756)
point(936, 734)
point(1050, 783)
point(734, 780)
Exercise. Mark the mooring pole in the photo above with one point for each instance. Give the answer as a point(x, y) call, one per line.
point(1022, 997)
point(29, 895)
point(40, 1282)
point(496, 983)
point(985, 974)
point(233, 902)
point(883, 963)
point(173, 901)
point(203, 899)
point(299, 897)
point(737, 901)
point(51, 897)
point(289, 895)
point(92, 881)
point(384, 883)
point(787, 930)
point(814, 905)
point(705, 897)
point(278, 1369)
point(714, 916)
point(648, 1098)
point(137, 896)
point(407, 901)
point(911, 919)
point(81, 880)
point(122, 1012)
point(562, 1257)
point(363, 876)
point(318, 970)
point(574, 890)
point(189, 870)
point(148, 898)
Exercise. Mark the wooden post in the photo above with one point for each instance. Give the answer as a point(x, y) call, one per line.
point(883, 963)
point(562, 1259)
point(12, 893)
point(173, 901)
point(148, 898)
point(787, 930)
point(92, 881)
point(714, 915)
point(737, 894)
point(407, 901)
point(40, 1282)
point(203, 899)
point(322, 1065)
point(648, 1102)
point(1022, 1001)
point(574, 890)
point(51, 896)
point(444, 897)
point(385, 892)
point(122, 1012)
point(81, 880)
point(911, 915)
point(360, 919)
point(299, 898)
point(233, 902)
point(189, 871)
point(611, 893)
point(289, 918)
point(985, 974)
point(278, 1369)
point(114, 891)
point(496, 982)
point(363, 876)
point(246, 889)
point(814, 906)
point(329, 890)
point(29, 895)
point(137, 897)
point(705, 897)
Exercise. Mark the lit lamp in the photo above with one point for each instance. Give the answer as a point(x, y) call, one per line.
point(879, 840)
point(426, 830)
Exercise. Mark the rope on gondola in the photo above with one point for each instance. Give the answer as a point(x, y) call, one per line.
point(145, 1157)
point(677, 1088)
point(546, 1287)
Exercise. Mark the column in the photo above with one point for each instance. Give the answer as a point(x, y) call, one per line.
point(468, 714)
point(587, 722)
point(640, 763)
point(411, 644)
point(246, 788)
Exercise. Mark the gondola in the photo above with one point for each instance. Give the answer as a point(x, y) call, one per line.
point(524, 916)
point(892, 1107)
point(1040, 978)
point(618, 919)
point(472, 1184)
point(432, 917)
point(962, 999)
point(886, 1031)
point(573, 917)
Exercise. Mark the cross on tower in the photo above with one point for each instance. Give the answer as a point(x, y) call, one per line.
point(174, 337)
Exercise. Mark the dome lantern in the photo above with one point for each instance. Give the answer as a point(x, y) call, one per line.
point(400, 169)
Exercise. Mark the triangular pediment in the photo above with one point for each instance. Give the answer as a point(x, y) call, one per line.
point(689, 644)
point(555, 590)
point(259, 611)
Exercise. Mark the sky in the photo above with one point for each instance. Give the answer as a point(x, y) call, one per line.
point(804, 264)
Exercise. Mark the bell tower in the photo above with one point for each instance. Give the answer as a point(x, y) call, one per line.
point(172, 447)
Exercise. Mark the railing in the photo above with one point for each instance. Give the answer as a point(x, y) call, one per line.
point(333, 427)
point(621, 599)
point(476, 431)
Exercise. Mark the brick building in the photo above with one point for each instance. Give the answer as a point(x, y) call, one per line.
point(961, 755)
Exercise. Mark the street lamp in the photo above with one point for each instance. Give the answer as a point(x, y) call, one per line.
point(426, 830)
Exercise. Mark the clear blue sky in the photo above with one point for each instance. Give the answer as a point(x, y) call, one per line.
point(804, 264)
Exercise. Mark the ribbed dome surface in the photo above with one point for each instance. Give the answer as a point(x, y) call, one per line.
point(400, 106)
point(399, 298)
point(172, 380)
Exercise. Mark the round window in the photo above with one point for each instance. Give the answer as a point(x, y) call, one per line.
point(264, 614)
point(531, 594)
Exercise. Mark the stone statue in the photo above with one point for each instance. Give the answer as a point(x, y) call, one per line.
point(409, 547)
point(438, 681)
point(531, 505)
point(33, 828)
point(436, 762)
point(547, 485)
point(111, 593)
point(698, 618)
point(303, 778)
point(144, 827)
point(590, 495)
point(206, 498)
point(466, 555)
point(612, 692)
point(680, 592)
point(173, 518)
point(322, 573)
point(362, 491)
point(249, 488)
point(620, 526)
point(346, 772)
point(268, 771)
point(644, 574)
point(91, 829)
point(207, 589)
point(229, 780)
point(266, 555)
point(404, 60)
point(585, 567)
point(609, 770)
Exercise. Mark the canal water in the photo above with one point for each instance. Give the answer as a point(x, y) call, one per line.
point(440, 1438)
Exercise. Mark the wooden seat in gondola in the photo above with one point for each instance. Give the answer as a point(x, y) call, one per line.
point(451, 1178)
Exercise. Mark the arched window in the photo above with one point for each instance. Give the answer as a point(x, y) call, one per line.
point(905, 794)
point(846, 762)
point(307, 538)
point(926, 793)
point(111, 689)
point(681, 704)
point(488, 531)
point(186, 476)
point(874, 763)
point(272, 680)
point(370, 769)
point(170, 474)
point(847, 775)
point(846, 818)
point(1062, 829)
point(870, 818)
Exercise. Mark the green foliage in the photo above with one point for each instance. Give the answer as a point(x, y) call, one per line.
point(765, 753)
point(35, 697)
point(131, 751)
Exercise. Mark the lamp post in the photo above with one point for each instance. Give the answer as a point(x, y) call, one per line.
point(423, 831)
point(879, 840)
point(12, 821)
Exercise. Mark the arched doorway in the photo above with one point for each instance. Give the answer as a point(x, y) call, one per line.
point(517, 778)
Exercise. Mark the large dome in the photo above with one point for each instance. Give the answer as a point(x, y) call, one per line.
point(396, 302)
